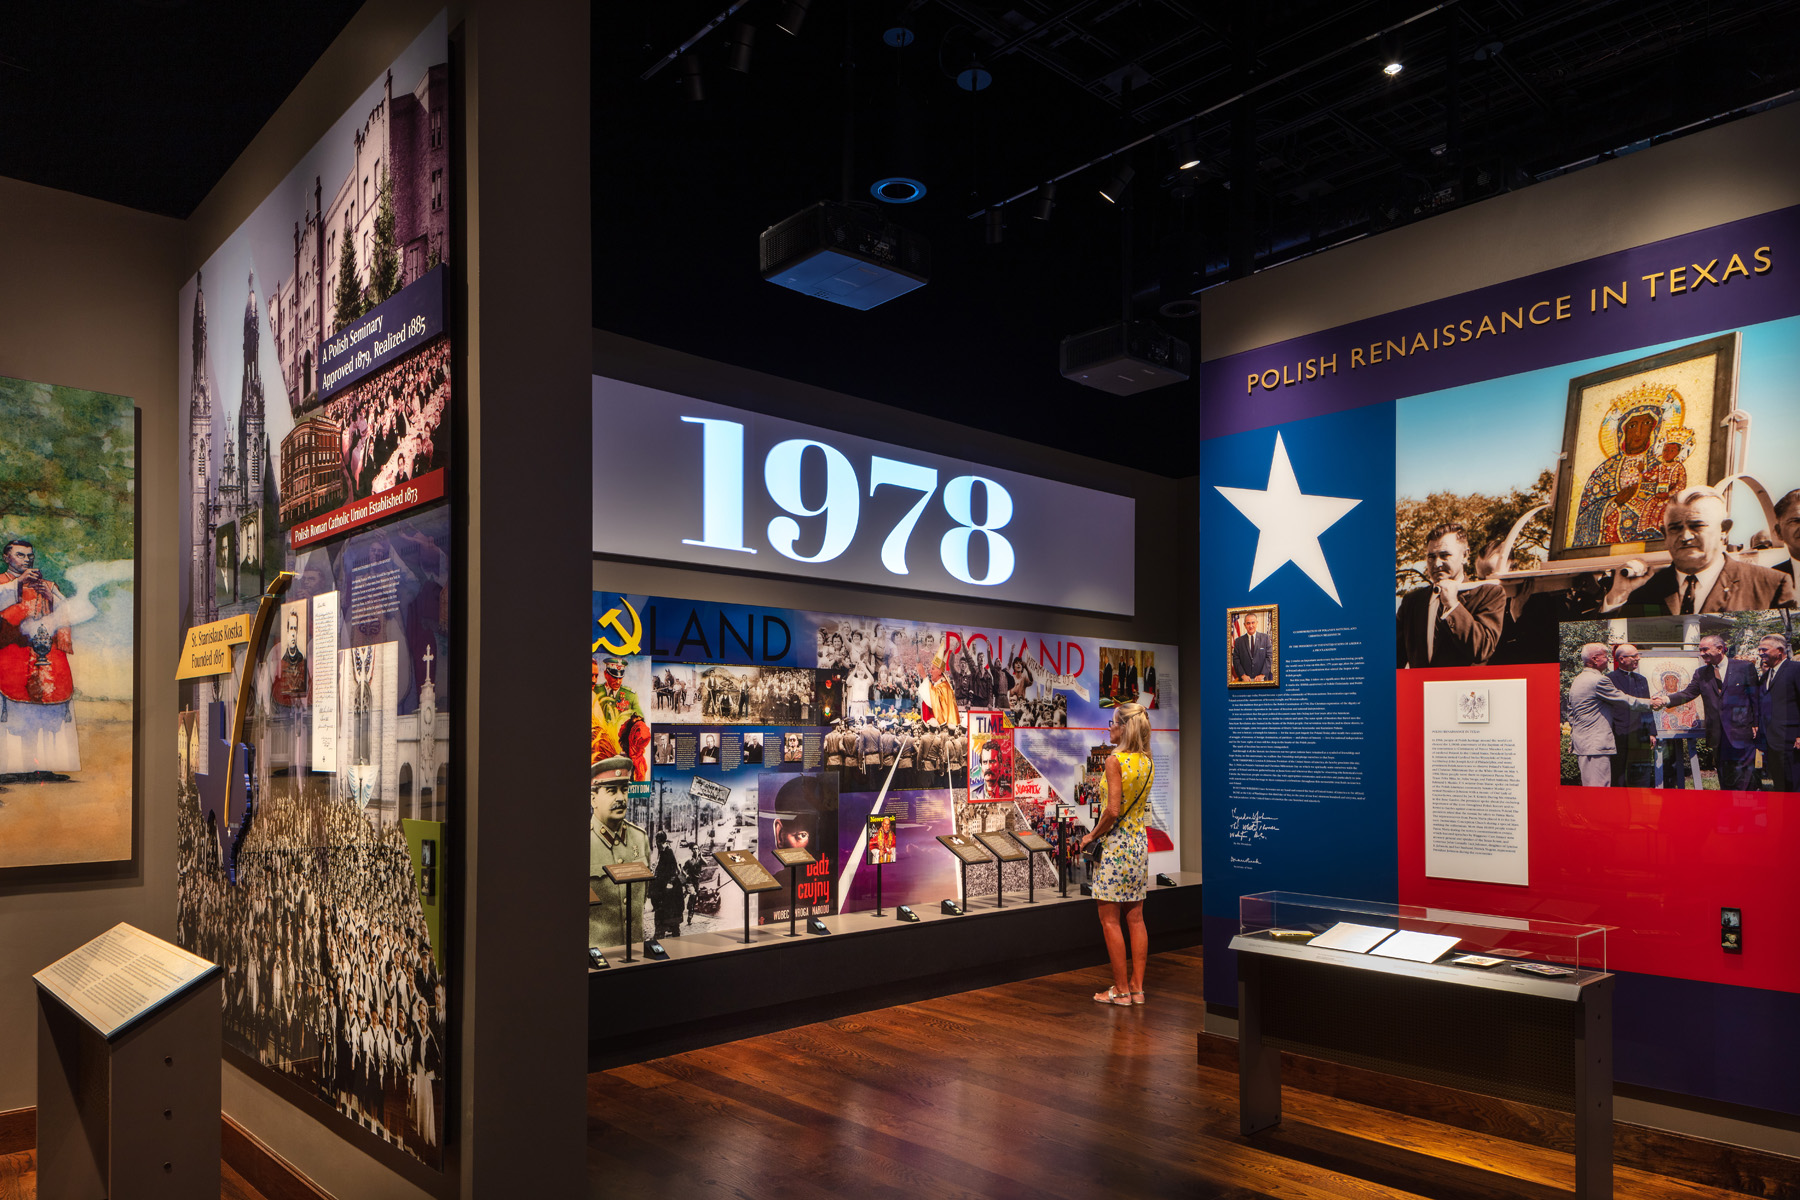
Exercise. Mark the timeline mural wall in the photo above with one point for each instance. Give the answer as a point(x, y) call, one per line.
point(1592, 714)
point(735, 728)
point(316, 733)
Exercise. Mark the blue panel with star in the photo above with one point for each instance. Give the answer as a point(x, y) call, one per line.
point(1298, 779)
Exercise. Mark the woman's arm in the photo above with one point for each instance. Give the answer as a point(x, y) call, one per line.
point(1109, 816)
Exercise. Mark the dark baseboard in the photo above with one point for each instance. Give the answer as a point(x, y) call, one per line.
point(1678, 1156)
point(18, 1130)
point(263, 1169)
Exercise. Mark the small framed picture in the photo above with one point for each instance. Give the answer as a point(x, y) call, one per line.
point(1253, 647)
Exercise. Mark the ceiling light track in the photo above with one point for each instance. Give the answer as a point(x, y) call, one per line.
point(1170, 128)
point(678, 51)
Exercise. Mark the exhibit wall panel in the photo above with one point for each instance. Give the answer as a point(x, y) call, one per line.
point(1164, 522)
point(509, 1066)
point(1556, 416)
point(86, 305)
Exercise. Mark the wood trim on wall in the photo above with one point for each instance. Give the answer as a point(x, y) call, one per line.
point(18, 1130)
point(263, 1169)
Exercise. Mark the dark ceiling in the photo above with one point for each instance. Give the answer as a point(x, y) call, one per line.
point(147, 102)
point(1494, 95)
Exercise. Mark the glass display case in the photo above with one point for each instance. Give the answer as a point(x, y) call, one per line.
point(1501, 948)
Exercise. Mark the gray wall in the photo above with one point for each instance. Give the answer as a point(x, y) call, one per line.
point(1724, 174)
point(88, 301)
point(1164, 538)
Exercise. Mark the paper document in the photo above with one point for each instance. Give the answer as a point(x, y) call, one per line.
point(1357, 939)
point(1417, 947)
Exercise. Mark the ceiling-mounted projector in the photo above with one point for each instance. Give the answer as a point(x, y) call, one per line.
point(844, 254)
point(1125, 358)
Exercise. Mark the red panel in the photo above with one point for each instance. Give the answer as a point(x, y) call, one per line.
point(1657, 863)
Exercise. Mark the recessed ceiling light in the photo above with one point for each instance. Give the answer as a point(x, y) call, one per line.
point(1393, 68)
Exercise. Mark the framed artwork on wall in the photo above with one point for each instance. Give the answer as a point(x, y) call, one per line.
point(68, 466)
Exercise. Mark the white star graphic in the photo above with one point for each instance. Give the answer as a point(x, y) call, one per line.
point(1289, 523)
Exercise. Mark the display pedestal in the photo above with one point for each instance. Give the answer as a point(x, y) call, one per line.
point(1435, 1022)
point(623, 875)
point(631, 935)
point(128, 1095)
point(794, 859)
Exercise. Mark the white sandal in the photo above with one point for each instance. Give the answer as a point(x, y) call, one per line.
point(1113, 996)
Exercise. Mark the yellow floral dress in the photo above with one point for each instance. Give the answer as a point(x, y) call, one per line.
point(1123, 873)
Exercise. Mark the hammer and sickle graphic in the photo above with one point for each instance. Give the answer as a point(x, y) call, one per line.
point(629, 640)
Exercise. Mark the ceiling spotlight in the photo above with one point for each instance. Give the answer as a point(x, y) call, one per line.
point(1113, 190)
point(738, 47)
point(1393, 68)
point(974, 77)
point(1186, 148)
point(897, 189)
point(1046, 200)
point(793, 15)
point(693, 81)
point(996, 227)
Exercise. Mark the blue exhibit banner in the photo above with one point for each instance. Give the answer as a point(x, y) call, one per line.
point(1530, 461)
point(389, 331)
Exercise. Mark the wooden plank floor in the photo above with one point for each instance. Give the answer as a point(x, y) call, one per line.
point(1024, 1091)
point(18, 1179)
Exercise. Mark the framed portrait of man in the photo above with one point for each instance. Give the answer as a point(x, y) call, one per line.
point(1253, 647)
point(1635, 435)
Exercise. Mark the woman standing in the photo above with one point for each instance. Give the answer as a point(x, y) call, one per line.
point(1122, 877)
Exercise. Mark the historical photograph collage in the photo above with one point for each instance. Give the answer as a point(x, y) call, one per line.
point(315, 735)
point(1636, 520)
point(721, 729)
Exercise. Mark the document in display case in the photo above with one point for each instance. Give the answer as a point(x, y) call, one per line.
point(1350, 937)
point(1386, 994)
point(1413, 946)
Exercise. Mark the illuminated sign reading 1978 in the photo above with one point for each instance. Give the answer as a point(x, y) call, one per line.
point(682, 480)
point(722, 504)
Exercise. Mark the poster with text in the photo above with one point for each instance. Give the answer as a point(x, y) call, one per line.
point(315, 376)
point(1587, 589)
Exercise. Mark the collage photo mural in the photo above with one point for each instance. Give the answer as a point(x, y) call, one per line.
point(315, 733)
point(727, 728)
point(1593, 713)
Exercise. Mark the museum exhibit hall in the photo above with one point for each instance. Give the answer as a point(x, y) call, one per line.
point(990, 415)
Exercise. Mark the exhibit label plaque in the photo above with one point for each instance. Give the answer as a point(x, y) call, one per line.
point(965, 848)
point(122, 976)
point(746, 871)
point(628, 872)
point(1003, 846)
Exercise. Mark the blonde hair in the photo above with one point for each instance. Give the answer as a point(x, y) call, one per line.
point(1134, 728)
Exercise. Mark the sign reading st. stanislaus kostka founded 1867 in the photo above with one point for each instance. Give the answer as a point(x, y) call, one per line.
point(389, 331)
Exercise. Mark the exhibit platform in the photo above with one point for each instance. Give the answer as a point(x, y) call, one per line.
point(714, 988)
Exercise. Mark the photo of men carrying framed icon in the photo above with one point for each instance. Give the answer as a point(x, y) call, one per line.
point(1637, 434)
